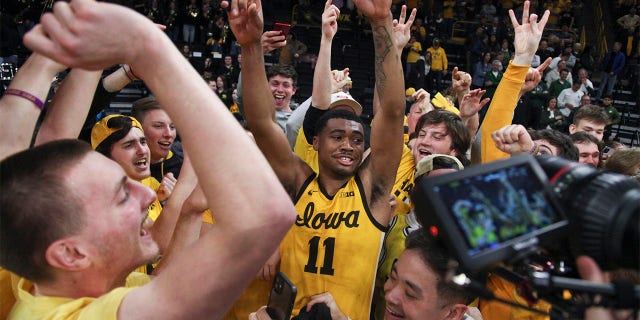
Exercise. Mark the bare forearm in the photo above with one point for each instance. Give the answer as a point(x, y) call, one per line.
point(388, 68)
point(70, 106)
point(321, 95)
point(35, 78)
point(117, 80)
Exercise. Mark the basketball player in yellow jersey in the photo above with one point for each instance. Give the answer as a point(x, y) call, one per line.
point(343, 210)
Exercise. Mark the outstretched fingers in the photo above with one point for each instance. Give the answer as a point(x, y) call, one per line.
point(544, 65)
point(403, 14)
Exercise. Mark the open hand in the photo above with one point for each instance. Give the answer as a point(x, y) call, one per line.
point(402, 29)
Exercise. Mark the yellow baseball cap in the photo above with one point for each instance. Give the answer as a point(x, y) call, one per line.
point(109, 125)
point(410, 91)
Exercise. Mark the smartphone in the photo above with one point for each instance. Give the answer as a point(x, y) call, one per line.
point(283, 27)
point(281, 298)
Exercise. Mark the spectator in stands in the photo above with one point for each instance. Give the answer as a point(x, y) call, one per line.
point(488, 9)
point(229, 72)
point(190, 22)
point(414, 51)
point(586, 86)
point(494, 43)
point(629, 24)
point(171, 21)
point(585, 100)
point(588, 148)
point(154, 13)
point(552, 118)
point(569, 98)
point(590, 119)
point(538, 96)
point(479, 46)
point(553, 74)
point(439, 65)
point(560, 84)
point(612, 65)
point(417, 77)
point(506, 52)
point(293, 51)
point(612, 114)
point(543, 51)
point(419, 30)
point(567, 38)
point(480, 69)
point(99, 240)
point(222, 91)
point(564, 56)
point(492, 78)
point(586, 58)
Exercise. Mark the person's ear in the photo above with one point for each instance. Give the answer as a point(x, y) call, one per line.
point(572, 128)
point(315, 143)
point(67, 254)
point(456, 312)
point(293, 90)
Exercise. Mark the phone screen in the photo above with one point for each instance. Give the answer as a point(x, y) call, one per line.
point(283, 27)
point(281, 298)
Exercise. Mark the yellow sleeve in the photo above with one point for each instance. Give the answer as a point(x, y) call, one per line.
point(305, 151)
point(503, 289)
point(501, 109)
point(445, 61)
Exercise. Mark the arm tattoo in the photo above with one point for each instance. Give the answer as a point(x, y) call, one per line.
point(383, 42)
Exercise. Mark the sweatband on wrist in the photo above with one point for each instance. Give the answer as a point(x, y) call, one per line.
point(25, 95)
point(535, 149)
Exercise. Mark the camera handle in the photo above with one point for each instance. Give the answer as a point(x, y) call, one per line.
point(617, 295)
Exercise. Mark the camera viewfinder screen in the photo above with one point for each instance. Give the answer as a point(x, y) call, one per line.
point(493, 208)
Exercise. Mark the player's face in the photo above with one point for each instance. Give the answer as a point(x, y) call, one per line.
point(160, 133)
point(340, 146)
point(432, 139)
point(132, 154)
point(588, 153)
point(282, 89)
point(590, 127)
point(410, 291)
point(117, 228)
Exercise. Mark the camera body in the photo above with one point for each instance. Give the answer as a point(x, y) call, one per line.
point(507, 210)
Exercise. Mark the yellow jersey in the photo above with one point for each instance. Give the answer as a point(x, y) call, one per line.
point(334, 247)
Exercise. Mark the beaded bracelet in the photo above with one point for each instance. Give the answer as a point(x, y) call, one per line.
point(25, 95)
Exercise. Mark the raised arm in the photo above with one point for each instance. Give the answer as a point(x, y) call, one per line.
point(23, 101)
point(401, 36)
point(386, 132)
point(68, 111)
point(258, 102)
point(500, 113)
point(250, 223)
point(321, 95)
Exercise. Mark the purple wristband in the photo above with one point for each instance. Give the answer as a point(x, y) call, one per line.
point(26, 95)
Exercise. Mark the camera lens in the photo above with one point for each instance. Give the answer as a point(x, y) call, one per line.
point(603, 210)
